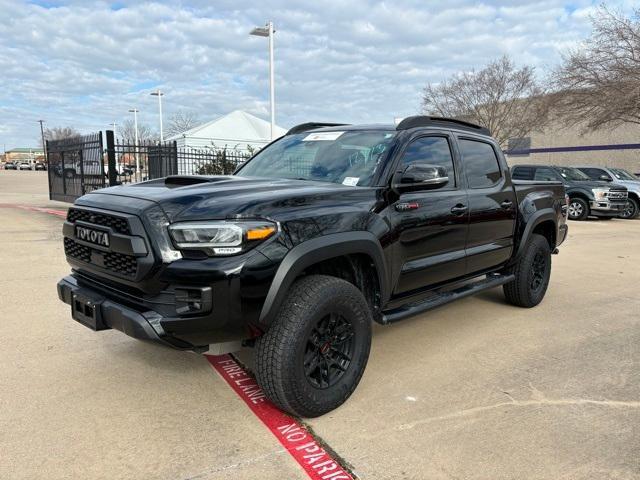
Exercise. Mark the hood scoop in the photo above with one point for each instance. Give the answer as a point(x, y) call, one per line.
point(175, 181)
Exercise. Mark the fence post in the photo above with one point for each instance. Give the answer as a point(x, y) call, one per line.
point(111, 159)
point(81, 163)
point(64, 174)
point(46, 153)
point(174, 158)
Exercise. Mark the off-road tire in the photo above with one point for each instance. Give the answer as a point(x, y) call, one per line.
point(580, 204)
point(279, 354)
point(522, 291)
point(632, 210)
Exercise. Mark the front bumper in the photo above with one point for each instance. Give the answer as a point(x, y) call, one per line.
point(606, 209)
point(106, 314)
point(99, 311)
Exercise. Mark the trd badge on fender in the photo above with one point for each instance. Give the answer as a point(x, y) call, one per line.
point(96, 237)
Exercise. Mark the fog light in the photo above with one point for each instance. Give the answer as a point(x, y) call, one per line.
point(193, 300)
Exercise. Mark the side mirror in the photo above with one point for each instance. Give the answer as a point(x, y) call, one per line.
point(605, 178)
point(421, 177)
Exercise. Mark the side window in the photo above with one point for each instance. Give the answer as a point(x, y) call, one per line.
point(480, 163)
point(522, 173)
point(545, 175)
point(595, 173)
point(432, 151)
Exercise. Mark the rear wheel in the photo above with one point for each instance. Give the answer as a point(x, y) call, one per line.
point(578, 209)
point(532, 272)
point(631, 209)
point(314, 354)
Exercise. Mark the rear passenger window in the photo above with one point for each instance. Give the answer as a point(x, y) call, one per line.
point(431, 151)
point(522, 173)
point(544, 175)
point(480, 164)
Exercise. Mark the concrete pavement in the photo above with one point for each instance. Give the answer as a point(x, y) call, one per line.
point(474, 390)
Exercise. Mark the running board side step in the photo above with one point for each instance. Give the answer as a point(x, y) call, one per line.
point(411, 309)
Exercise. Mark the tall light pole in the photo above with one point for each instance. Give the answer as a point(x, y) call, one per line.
point(268, 31)
point(159, 94)
point(114, 124)
point(44, 144)
point(135, 127)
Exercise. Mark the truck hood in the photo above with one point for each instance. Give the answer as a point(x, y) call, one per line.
point(592, 184)
point(218, 197)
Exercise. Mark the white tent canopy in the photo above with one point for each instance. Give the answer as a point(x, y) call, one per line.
point(234, 130)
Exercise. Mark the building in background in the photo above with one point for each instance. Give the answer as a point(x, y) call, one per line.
point(24, 154)
point(237, 130)
point(559, 144)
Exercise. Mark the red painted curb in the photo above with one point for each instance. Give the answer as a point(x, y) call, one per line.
point(51, 211)
point(315, 461)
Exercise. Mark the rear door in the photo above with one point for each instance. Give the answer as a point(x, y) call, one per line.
point(492, 204)
point(431, 225)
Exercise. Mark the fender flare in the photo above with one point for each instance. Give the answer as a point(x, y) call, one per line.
point(317, 250)
point(536, 219)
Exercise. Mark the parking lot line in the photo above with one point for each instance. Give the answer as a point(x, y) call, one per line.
point(294, 437)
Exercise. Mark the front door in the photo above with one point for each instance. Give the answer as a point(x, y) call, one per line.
point(492, 205)
point(431, 225)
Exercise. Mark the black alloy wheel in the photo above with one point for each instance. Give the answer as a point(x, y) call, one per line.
point(329, 351)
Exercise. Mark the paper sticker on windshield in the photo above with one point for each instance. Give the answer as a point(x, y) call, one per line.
point(351, 181)
point(320, 136)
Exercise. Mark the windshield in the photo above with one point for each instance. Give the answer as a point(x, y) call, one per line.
point(347, 157)
point(623, 174)
point(572, 174)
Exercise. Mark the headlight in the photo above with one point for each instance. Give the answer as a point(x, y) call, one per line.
point(221, 237)
point(600, 193)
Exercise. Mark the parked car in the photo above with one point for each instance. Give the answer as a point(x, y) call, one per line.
point(621, 177)
point(89, 168)
point(24, 166)
point(321, 232)
point(39, 166)
point(586, 197)
point(10, 166)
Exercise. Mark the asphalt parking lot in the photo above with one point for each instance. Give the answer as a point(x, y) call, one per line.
point(477, 389)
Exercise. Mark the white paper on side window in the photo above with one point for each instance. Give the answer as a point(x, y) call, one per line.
point(320, 136)
point(351, 181)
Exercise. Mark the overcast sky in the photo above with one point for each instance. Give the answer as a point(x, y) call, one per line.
point(84, 64)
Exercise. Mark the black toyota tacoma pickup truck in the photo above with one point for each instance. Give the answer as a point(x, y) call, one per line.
point(320, 233)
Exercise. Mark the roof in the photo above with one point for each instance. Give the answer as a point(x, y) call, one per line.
point(25, 150)
point(237, 126)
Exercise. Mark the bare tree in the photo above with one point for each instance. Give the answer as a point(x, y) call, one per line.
point(127, 132)
point(58, 133)
point(181, 121)
point(509, 101)
point(599, 83)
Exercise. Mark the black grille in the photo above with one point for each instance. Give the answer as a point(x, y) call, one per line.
point(118, 224)
point(119, 263)
point(122, 264)
point(75, 250)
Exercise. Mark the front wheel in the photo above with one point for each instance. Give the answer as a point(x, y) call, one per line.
point(312, 357)
point(578, 209)
point(532, 272)
point(631, 209)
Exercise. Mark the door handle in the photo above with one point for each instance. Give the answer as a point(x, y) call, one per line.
point(507, 204)
point(459, 209)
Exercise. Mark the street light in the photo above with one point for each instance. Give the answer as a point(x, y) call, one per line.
point(44, 144)
point(159, 94)
point(268, 31)
point(135, 127)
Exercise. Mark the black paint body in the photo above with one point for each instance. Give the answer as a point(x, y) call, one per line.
point(442, 237)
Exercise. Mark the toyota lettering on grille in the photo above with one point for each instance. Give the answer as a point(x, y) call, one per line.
point(97, 237)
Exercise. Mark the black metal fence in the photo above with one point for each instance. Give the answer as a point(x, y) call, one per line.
point(75, 166)
point(81, 164)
